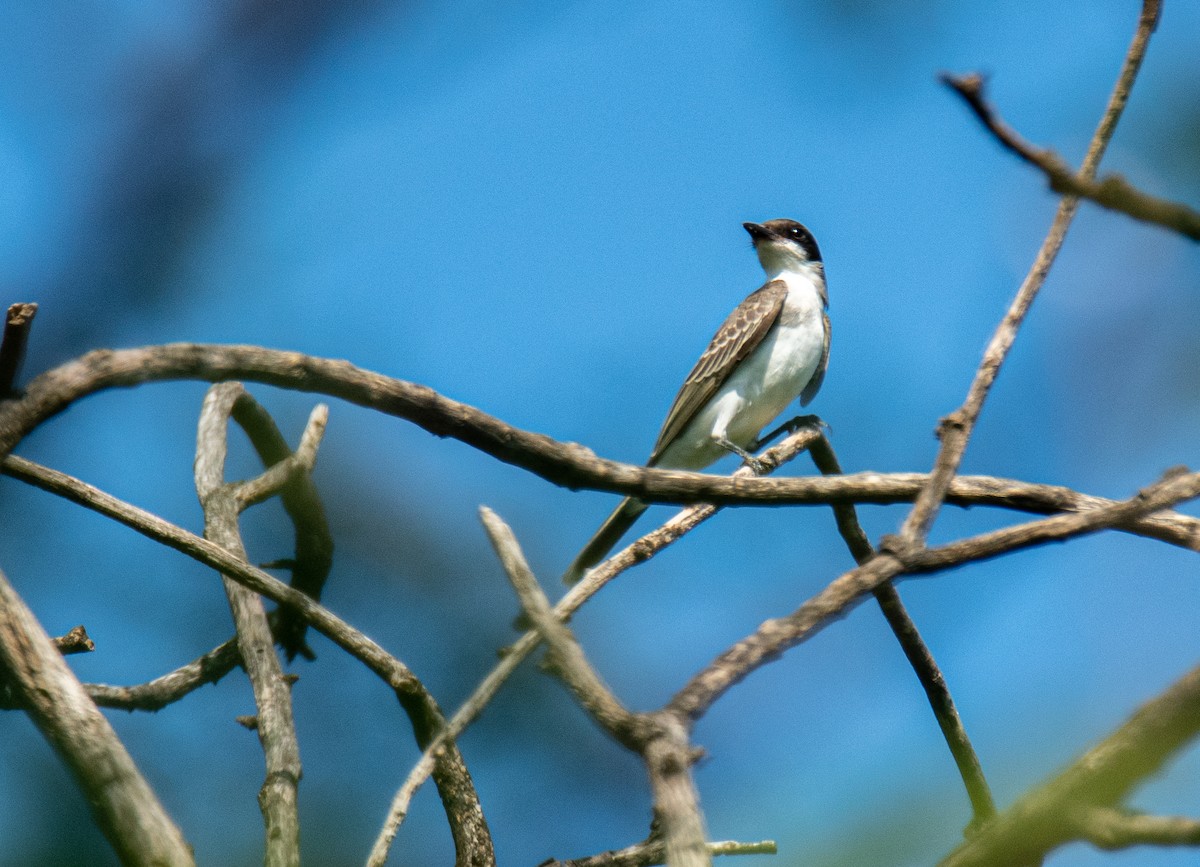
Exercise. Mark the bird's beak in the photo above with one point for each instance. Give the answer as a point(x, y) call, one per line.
point(757, 232)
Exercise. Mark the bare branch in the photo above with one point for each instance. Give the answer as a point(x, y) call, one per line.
point(170, 687)
point(654, 852)
point(660, 739)
point(1057, 812)
point(313, 555)
point(780, 634)
point(457, 791)
point(1111, 191)
point(668, 756)
point(1176, 486)
point(919, 656)
point(124, 806)
point(17, 323)
point(516, 653)
point(1111, 828)
point(278, 798)
point(956, 429)
point(565, 655)
point(566, 464)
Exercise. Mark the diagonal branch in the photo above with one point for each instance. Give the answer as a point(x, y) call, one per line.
point(1111, 191)
point(653, 852)
point(125, 807)
point(661, 739)
point(169, 688)
point(1057, 812)
point(780, 634)
point(919, 656)
point(956, 429)
point(516, 653)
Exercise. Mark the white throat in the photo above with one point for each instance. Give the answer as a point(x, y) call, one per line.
point(782, 260)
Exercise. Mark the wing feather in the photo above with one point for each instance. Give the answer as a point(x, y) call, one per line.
point(737, 337)
point(814, 384)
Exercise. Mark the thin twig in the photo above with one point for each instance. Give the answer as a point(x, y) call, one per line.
point(956, 429)
point(565, 656)
point(156, 694)
point(1111, 191)
point(660, 739)
point(653, 852)
point(278, 797)
point(313, 554)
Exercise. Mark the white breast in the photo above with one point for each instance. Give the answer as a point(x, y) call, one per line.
point(763, 384)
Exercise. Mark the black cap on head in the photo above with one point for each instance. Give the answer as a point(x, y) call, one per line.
point(785, 230)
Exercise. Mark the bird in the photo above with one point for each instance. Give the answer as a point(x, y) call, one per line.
point(773, 348)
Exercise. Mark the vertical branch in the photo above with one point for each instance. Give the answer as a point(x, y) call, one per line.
point(122, 802)
point(17, 323)
point(956, 429)
point(313, 555)
point(272, 695)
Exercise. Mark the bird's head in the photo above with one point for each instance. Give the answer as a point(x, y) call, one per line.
point(783, 245)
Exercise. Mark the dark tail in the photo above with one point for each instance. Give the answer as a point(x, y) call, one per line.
point(606, 537)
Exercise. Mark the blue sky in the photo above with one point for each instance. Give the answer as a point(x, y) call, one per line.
point(537, 211)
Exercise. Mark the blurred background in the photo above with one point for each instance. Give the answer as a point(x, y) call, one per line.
point(535, 208)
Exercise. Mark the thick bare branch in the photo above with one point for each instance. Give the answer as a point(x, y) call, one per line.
point(566, 464)
point(124, 806)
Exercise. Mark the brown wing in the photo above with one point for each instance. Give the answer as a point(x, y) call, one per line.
point(737, 337)
point(814, 384)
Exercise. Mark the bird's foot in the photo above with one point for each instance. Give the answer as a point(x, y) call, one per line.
point(790, 426)
point(758, 467)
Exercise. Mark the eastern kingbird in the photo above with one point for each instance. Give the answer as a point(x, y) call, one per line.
point(773, 347)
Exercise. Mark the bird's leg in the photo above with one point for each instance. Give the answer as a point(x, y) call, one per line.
point(789, 427)
point(754, 463)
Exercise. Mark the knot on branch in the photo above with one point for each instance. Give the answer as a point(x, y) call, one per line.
point(955, 421)
point(895, 545)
